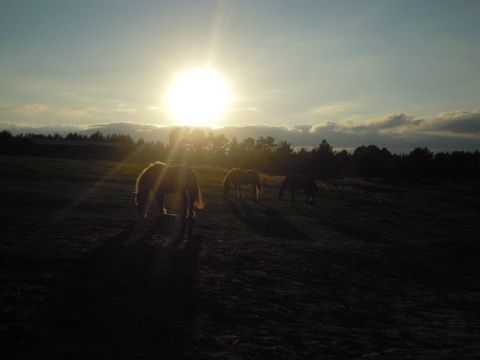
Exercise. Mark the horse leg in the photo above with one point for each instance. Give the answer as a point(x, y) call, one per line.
point(184, 202)
point(307, 195)
point(191, 215)
point(240, 193)
point(293, 195)
point(254, 192)
point(313, 195)
point(160, 202)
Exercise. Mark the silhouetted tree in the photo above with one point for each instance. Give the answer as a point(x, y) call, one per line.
point(264, 154)
point(265, 144)
point(76, 137)
point(176, 151)
point(6, 140)
point(343, 162)
point(386, 169)
point(159, 151)
point(96, 136)
point(302, 162)
point(247, 148)
point(197, 147)
point(323, 160)
point(368, 161)
point(475, 167)
point(441, 165)
point(283, 158)
point(234, 153)
point(218, 149)
point(420, 164)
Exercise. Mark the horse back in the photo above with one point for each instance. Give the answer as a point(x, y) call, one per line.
point(161, 177)
point(239, 177)
point(300, 182)
point(178, 177)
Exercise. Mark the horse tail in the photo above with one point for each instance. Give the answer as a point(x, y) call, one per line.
point(226, 183)
point(198, 199)
point(259, 184)
point(197, 194)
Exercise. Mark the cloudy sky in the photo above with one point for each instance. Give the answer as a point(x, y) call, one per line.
point(396, 74)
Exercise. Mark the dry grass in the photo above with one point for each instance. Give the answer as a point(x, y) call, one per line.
point(373, 270)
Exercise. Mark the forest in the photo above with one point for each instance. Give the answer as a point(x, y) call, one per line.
point(267, 155)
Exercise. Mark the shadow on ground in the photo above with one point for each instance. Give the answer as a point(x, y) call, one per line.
point(343, 227)
point(133, 297)
point(269, 223)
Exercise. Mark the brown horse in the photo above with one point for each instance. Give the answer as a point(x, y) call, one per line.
point(242, 177)
point(292, 182)
point(158, 179)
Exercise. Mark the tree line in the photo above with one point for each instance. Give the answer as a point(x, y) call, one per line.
point(265, 154)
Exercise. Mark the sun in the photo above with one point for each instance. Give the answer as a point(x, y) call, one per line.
point(198, 97)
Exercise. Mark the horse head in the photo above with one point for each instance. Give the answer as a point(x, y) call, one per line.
point(225, 186)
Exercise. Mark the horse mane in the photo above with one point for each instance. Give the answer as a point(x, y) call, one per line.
point(228, 179)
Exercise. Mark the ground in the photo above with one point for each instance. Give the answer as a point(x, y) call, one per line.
point(370, 271)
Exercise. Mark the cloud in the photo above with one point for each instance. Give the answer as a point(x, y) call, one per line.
point(335, 109)
point(71, 114)
point(32, 109)
point(301, 129)
point(399, 132)
point(460, 122)
point(392, 121)
point(76, 112)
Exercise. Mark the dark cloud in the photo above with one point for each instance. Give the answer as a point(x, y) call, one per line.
point(461, 122)
point(390, 122)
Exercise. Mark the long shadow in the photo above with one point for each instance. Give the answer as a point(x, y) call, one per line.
point(131, 298)
point(347, 229)
point(269, 224)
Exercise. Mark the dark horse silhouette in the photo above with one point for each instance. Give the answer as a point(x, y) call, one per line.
point(158, 179)
point(242, 177)
point(292, 182)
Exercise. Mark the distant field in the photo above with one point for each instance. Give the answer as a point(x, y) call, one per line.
point(373, 269)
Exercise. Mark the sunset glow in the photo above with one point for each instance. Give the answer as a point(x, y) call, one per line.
point(198, 97)
point(297, 71)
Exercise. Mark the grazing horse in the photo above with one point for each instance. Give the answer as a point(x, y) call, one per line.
point(158, 179)
point(292, 182)
point(242, 177)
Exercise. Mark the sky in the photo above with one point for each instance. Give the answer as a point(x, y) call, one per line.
point(396, 74)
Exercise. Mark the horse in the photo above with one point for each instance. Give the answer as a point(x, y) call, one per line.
point(242, 177)
point(158, 179)
point(292, 182)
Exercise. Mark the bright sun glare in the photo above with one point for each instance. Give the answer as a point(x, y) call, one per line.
point(198, 97)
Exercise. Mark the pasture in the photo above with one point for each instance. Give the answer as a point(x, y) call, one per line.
point(371, 271)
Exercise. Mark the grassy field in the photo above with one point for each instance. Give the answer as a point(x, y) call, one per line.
point(373, 270)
